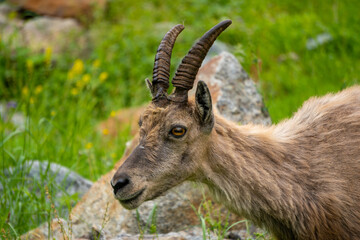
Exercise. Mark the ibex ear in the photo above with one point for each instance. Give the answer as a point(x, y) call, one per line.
point(204, 106)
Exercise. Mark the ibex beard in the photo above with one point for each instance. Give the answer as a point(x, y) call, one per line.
point(299, 179)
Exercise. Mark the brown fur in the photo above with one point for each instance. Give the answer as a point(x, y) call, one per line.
point(299, 179)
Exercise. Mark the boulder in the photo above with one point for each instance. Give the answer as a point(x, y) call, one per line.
point(61, 8)
point(319, 40)
point(190, 234)
point(234, 96)
point(216, 49)
point(8, 113)
point(53, 33)
point(43, 34)
point(38, 174)
point(9, 26)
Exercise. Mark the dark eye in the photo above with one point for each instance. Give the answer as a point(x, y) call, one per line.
point(140, 122)
point(178, 132)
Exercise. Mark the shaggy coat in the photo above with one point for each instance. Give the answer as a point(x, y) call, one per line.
point(299, 179)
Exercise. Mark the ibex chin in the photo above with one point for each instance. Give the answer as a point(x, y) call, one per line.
point(300, 179)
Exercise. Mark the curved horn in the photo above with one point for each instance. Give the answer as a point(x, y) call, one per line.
point(186, 73)
point(161, 70)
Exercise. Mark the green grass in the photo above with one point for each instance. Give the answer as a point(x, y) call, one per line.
point(63, 101)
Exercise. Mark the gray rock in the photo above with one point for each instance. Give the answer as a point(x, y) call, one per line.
point(50, 32)
point(42, 33)
point(190, 234)
point(10, 28)
point(41, 173)
point(195, 233)
point(7, 115)
point(216, 49)
point(319, 40)
point(6, 8)
point(233, 91)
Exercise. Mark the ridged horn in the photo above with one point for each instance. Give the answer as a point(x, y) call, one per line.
point(186, 73)
point(161, 70)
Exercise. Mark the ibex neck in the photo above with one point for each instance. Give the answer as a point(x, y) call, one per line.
point(251, 172)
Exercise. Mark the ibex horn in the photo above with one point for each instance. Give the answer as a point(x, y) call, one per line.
point(161, 70)
point(186, 73)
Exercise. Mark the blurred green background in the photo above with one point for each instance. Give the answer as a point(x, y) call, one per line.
point(64, 98)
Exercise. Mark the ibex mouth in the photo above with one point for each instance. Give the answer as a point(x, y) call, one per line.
point(132, 198)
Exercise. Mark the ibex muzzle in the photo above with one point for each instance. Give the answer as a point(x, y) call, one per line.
point(163, 159)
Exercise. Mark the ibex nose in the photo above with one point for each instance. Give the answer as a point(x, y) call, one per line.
point(119, 182)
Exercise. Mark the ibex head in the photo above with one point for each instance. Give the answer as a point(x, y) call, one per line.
point(173, 131)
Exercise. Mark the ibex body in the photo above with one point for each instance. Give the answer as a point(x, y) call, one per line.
point(299, 179)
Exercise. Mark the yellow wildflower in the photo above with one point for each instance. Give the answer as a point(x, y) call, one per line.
point(32, 100)
point(79, 84)
point(113, 155)
point(52, 113)
point(89, 145)
point(12, 15)
point(29, 65)
point(74, 91)
point(48, 53)
point(25, 91)
point(86, 78)
point(105, 131)
point(38, 89)
point(78, 66)
point(103, 76)
point(96, 63)
point(112, 114)
point(70, 75)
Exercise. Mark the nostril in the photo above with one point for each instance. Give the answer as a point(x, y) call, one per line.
point(120, 183)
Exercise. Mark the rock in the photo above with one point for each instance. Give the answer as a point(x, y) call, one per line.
point(195, 233)
point(233, 92)
point(7, 114)
point(6, 9)
point(66, 181)
point(40, 34)
point(319, 40)
point(216, 49)
point(234, 96)
point(61, 8)
point(56, 34)
point(59, 227)
point(9, 26)
point(190, 234)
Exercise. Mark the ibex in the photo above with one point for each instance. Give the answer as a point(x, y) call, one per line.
point(300, 179)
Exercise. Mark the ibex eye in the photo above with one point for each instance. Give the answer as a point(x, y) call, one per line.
point(178, 132)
